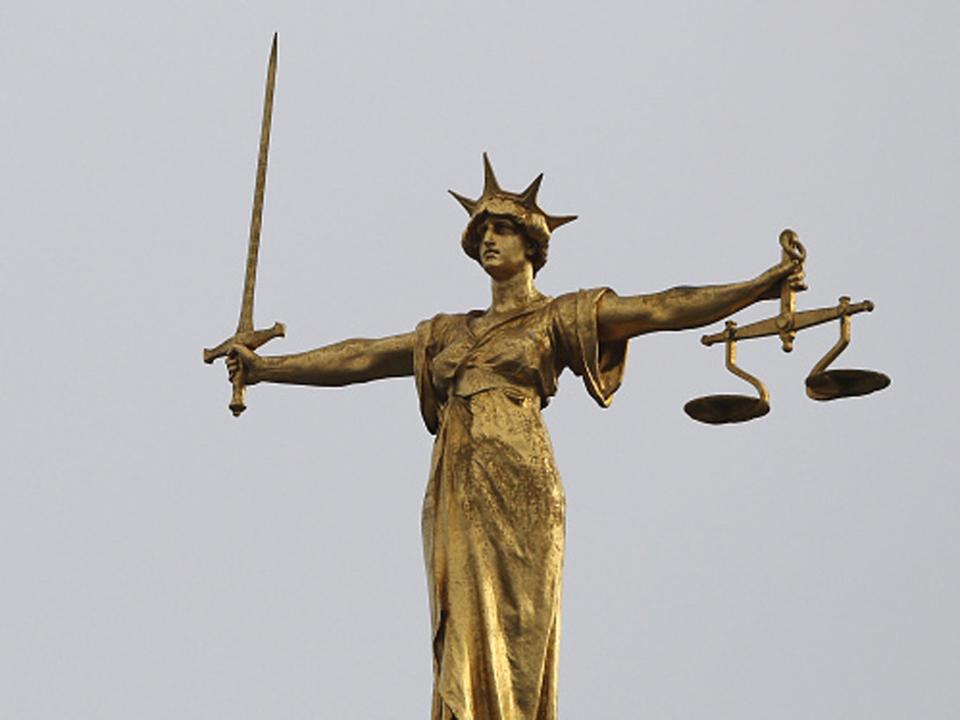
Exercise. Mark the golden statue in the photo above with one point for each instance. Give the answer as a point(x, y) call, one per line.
point(493, 514)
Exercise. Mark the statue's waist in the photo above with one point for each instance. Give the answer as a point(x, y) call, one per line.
point(472, 381)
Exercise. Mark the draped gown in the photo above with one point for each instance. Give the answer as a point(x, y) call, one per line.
point(493, 513)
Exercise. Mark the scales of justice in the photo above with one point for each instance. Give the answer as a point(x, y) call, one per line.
point(494, 509)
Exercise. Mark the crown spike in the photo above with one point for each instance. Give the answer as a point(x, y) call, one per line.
point(529, 196)
point(468, 204)
point(490, 184)
point(553, 222)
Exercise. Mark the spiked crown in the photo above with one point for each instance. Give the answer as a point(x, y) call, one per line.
point(519, 207)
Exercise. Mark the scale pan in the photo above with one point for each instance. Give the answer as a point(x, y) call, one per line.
point(833, 384)
point(721, 409)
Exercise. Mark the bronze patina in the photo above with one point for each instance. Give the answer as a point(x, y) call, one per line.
point(494, 509)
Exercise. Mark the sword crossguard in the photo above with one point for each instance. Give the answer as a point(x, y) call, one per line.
point(251, 339)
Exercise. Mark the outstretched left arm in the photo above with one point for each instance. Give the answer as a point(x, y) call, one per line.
point(682, 308)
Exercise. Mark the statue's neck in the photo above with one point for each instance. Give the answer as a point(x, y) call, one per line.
point(514, 293)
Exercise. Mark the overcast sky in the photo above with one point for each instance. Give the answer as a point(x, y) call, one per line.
point(160, 560)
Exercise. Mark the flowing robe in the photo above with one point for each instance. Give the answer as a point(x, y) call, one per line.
point(493, 514)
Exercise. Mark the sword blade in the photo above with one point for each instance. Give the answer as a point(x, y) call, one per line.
point(245, 323)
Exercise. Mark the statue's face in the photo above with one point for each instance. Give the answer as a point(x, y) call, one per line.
point(503, 249)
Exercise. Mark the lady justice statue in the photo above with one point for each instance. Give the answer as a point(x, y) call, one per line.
point(493, 515)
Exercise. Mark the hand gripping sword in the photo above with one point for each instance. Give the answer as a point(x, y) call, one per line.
point(245, 334)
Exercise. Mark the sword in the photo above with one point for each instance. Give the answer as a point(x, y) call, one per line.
point(245, 334)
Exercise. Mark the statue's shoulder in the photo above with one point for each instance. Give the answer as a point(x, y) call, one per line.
point(583, 296)
point(442, 325)
point(443, 319)
point(564, 304)
point(564, 299)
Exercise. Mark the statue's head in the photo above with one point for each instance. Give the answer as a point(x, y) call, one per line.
point(520, 208)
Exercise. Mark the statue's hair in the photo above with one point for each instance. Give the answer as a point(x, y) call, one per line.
point(535, 239)
point(521, 208)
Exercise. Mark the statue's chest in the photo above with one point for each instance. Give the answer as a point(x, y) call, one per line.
point(513, 348)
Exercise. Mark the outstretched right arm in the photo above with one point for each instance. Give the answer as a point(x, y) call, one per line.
point(344, 363)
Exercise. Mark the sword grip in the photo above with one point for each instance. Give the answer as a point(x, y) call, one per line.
point(238, 398)
point(250, 339)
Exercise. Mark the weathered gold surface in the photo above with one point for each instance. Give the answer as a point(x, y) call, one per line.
point(821, 384)
point(800, 321)
point(245, 335)
point(722, 409)
point(847, 382)
point(493, 513)
point(824, 384)
point(792, 250)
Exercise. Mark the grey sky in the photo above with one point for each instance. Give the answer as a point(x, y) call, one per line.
point(161, 560)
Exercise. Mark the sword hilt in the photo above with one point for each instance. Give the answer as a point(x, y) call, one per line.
point(238, 398)
point(251, 339)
